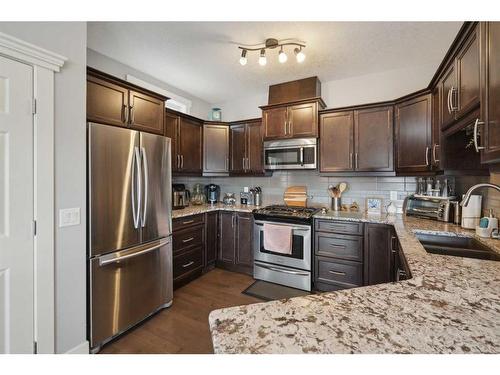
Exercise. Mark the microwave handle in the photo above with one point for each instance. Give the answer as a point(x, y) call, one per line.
point(302, 156)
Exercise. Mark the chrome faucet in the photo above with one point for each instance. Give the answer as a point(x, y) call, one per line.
point(466, 199)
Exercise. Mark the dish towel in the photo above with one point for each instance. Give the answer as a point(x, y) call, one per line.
point(278, 238)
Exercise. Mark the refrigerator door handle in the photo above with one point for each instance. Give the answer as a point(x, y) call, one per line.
point(137, 211)
point(146, 188)
point(112, 258)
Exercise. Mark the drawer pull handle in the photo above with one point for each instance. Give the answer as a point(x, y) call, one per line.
point(188, 239)
point(188, 222)
point(338, 246)
point(187, 264)
point(337, 272)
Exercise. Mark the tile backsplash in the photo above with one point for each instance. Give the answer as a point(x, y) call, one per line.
point(274, 186)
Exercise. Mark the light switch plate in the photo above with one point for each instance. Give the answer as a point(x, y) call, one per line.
point(69, 217)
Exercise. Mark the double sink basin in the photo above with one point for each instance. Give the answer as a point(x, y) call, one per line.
point(465, 247)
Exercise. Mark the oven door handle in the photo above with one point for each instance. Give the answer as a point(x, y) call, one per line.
point(282, 270)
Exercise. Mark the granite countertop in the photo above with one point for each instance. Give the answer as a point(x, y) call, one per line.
point(199, 209)
point(450, 305)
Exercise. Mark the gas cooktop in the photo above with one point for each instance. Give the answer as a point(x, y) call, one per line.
point(287, 213)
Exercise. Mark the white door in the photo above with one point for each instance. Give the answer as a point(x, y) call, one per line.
point(16, 208)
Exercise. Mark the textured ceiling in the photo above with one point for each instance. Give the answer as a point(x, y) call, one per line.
point(202, 57)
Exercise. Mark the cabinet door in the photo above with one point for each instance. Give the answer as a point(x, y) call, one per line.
point(303, 120)
point(227, 230)
point(171, 131)
point(107, 103)
point(238, 148)
point(413, 135)
point(244, 239)
point(436, 129)
point(468, 75)
point(211, 238)
point(448, 88)
point(379, 257)
point(490, 92)
point(190, 144)
point(255, 153)
point(373, 131)
point(275, 123)
point(215, 149)
point(336, 142)
point(146, 113)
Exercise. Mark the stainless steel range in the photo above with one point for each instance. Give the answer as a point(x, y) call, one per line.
point(292, 269)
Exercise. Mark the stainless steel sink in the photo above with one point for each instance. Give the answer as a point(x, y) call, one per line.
point(466, 247)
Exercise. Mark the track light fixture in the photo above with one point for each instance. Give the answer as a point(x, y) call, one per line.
point(272, 43)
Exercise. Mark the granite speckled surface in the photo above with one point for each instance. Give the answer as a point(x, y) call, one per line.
point(450, 305)
point(194, 210)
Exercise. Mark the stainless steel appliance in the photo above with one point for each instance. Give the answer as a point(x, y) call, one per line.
point(212, 192)
point(129, 226)
point(436, 208)
point(293, 269)
point(180, 196)
point(291, 154)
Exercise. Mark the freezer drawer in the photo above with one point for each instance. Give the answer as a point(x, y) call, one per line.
point(128, 286)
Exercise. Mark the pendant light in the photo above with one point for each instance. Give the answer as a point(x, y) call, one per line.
point(262, 58)
point(243, 58)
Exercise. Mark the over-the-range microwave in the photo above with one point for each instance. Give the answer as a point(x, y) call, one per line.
point(290, 154)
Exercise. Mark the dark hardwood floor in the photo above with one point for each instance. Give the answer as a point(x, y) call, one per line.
point(183, 328)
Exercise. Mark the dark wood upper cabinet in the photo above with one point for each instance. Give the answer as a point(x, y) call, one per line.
point(255, 147)
point(413, 135)
point(373, 139)
point(238, 141)
point(303, 120)
point(379, 254)
point(112, 101)
point(436, 130)
point(172, 130)
point(467, 63)
point(336, 142)
point(190, 145)
point(292, 120)
point(489, 125)
point(215, 149)
point(275, 122)
point(448, 88)
point(246, 148)
point(146, 112)
point(107, 103)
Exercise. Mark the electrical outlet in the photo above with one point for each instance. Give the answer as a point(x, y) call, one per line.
point(69, 217)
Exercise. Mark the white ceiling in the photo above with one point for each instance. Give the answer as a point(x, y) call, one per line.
point(202, 57)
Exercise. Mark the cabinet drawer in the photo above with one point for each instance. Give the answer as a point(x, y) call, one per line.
point(187, 238)
point(187, 262)
point(341, 246)
point(339, 227)
point(339, 272)
point(187, 221)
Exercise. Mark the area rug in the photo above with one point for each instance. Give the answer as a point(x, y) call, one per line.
point(270, 292)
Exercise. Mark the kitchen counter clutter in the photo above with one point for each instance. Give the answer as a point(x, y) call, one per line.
point(450, 305)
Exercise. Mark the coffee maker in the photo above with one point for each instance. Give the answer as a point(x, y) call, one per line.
point(212, 192)
point(180, 196)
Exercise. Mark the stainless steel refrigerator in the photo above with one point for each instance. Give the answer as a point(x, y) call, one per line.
point(129, 229)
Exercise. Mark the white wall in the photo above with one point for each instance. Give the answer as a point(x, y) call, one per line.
point(364, 89)
point(68, 39)
point(96, 60)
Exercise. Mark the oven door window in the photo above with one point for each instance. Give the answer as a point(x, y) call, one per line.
point(297, 247)
point(286, 156)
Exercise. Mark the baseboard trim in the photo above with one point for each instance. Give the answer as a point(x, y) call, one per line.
point(82, 348)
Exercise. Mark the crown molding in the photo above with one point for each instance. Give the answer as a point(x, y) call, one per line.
point(29, 53)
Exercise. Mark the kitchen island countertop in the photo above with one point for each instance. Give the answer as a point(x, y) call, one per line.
point(450, 305)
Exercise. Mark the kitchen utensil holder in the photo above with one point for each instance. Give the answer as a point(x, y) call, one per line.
point(336, 204)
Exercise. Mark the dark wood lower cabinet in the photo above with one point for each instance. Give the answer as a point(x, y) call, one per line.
point(379, 254)
point(212, 239)
point(348, 255)
point(236, 241)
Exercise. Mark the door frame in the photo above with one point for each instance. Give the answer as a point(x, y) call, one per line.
point(44, 63)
